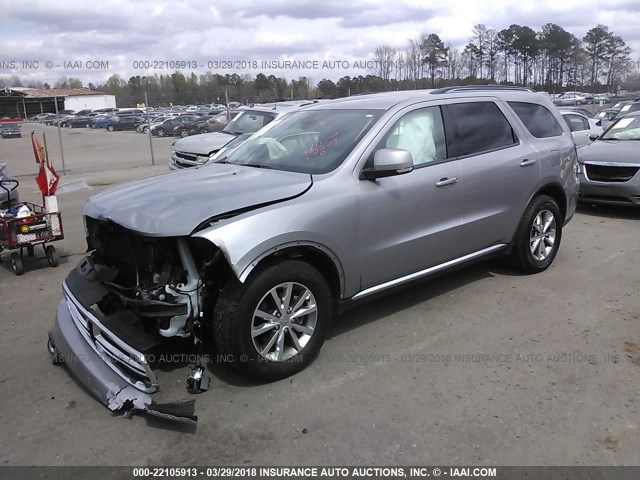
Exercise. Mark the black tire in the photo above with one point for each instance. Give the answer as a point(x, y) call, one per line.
point(88, 125)
point(16, 264)
point(522, 257)
point(233, 317)
point(145, 130)
point(184, 133)
point(202, 131)
point(52, 255)
point(110, 128)
point(161, 132)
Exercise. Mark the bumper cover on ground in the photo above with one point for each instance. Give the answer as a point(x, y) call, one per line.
point(69, 347)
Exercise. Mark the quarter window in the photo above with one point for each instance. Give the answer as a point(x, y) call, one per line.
point(479, 127)
point(537, 118)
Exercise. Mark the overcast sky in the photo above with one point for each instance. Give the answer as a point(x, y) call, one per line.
point(122, 32)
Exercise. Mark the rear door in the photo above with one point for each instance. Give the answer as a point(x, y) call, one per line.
point(499, 165)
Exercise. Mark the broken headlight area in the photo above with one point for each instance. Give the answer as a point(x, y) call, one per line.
point(133, 298)
point(157, 279)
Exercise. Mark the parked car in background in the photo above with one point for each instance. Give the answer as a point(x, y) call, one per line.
point(75, 122)
point(601, 98)
point(582, 111)
point(125, 123)
point(609, 166)
point(204, 125)
point(10, 130)
point(325, 206)
point(194, 151)
point(582, 128)
point(103, 122)
point(10, 195)
point(52, 118)
point(571, 99)
point(166, 127)
point(627, 108)
point(606, 117)
point(153, 121)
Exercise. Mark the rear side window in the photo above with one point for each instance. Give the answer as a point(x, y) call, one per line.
point(538, 119)
point(479, 127)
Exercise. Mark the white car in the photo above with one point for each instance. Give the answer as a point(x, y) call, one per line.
point(582, 128)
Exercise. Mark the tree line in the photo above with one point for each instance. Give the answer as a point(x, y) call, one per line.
point(551, 59)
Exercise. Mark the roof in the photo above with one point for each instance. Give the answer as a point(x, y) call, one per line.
point(387, 100)
point(27, 92)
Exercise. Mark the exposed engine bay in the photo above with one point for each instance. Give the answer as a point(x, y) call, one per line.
point(158, 279)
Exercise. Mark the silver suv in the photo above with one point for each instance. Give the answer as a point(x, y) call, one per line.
point(251, 255)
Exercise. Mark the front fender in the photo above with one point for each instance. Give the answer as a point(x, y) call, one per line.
point(245, 240)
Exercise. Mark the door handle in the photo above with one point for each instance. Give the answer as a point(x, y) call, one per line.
point(526, 163)
point(446, 181)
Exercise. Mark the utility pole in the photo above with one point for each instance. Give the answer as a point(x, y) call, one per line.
point(145, 81)
point(64, 170)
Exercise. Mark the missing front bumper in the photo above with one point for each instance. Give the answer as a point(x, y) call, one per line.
point(68, 346)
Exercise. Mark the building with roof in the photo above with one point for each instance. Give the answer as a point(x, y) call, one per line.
point(23, 102)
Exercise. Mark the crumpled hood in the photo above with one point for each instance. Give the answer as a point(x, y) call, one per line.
point(622, 151)
point(203, 144)
point(174, 204)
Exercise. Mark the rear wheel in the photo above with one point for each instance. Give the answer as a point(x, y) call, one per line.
point(184, 133)
point(52, 255)
point(274, 324)
point(538, 237)
point(145, 129)
point(110, 128)
point(16, 264)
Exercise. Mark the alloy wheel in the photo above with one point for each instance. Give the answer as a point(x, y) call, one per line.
point(543, 235)
point(284, 321)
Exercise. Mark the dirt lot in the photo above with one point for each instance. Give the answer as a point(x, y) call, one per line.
point(481, 366)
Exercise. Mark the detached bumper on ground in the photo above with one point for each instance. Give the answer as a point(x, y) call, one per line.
point(69, 346)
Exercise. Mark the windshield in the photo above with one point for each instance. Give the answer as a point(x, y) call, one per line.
point(248, 121)
point(307, 142)
point(627, 128)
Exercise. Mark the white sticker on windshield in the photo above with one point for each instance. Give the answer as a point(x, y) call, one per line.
point(625, 108)
point(623, 123)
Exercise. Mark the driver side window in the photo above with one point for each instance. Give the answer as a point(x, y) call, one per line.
point(421, 132)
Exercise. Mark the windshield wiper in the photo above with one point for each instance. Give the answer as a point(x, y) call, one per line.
point(256, 165)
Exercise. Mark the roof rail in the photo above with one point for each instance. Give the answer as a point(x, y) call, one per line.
point(471, 88)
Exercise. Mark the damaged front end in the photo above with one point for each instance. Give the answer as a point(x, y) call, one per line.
point(124, 300)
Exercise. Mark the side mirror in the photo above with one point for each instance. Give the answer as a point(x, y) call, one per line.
point(388, 162)
point(593, 137)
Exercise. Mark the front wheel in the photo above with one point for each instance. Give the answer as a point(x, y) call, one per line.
point(538, 236)
point(145, 129)
point(184, 133)
point(110, 128)
point(274, 324)
point(161, 132)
